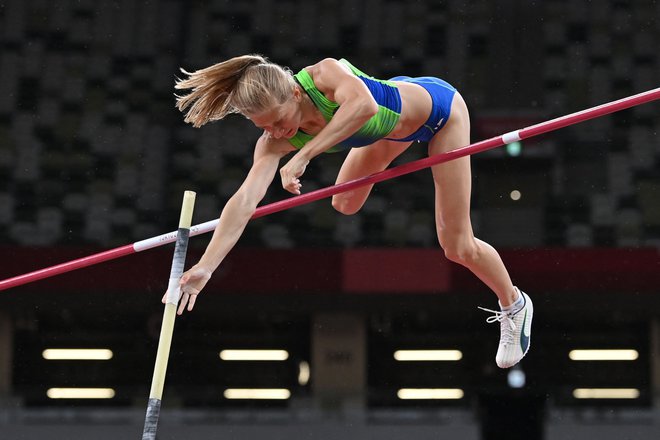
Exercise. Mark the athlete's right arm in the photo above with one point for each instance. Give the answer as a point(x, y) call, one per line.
point(235, 216)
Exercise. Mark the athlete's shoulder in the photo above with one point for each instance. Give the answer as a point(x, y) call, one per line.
point(327, 67)
point(324, 63)
point(329, 73)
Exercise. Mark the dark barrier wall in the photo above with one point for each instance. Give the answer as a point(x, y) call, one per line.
point(371, 270)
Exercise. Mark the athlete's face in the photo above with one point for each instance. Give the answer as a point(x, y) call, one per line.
point(280, 120)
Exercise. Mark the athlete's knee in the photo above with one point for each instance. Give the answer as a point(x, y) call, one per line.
point(460, 248)
point(345, 204)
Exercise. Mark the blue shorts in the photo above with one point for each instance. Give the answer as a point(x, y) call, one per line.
point(442, 94)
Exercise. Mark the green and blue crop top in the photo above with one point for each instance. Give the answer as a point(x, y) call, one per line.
point(378, 127)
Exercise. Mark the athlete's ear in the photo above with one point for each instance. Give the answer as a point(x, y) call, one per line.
point(297, 94)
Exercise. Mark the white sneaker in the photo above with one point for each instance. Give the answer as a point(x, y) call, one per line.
point(515, 332)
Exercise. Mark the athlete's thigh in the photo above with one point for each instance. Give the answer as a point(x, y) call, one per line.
point(371, 159)
point(362, 162)
point(453, 179)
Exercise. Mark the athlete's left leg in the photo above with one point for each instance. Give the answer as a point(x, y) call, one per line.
point(453, 183)
point(453, 186)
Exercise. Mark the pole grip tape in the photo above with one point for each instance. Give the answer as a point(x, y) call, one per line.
point(178, 263)
point(151, 420)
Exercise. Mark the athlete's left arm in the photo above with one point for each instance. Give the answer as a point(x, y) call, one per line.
point(356, 107)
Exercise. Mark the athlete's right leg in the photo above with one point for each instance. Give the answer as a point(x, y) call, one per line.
point(362, 162)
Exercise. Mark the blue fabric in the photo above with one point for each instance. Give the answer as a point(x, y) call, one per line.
point(385, 94)
point(442, 94)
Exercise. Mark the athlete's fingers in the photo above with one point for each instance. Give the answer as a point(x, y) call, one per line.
point(182, 303)
point(191, 302)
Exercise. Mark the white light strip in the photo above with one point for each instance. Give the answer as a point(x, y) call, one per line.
point(77, 354)
point(255, 393)
point(428, 355)
point(80, 393)
point(429, 393)
point(254, 355)
point(606, 393)
point(603, 355)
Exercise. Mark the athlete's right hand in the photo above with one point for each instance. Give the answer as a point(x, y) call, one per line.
point(192, 282)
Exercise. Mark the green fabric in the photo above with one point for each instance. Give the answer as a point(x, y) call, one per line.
point(376, 128)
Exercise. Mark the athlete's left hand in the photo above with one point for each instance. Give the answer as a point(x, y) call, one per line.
point(291, 173)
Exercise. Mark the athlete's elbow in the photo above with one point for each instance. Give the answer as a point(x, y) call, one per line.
point(368, 109)
point(361, 114)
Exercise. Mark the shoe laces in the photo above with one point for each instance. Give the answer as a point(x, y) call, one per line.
point(507, 326)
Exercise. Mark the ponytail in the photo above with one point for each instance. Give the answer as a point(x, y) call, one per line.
point(246, 84)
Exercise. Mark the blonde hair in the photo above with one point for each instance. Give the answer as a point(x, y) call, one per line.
point(247, 84)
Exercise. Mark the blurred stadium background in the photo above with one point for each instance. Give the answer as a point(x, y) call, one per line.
point(94, 155)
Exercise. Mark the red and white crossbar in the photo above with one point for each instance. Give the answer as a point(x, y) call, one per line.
point(497, 141)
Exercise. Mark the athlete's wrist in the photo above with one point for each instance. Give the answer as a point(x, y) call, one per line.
point(304, 153)
point(208, 265)
point(311, 150)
